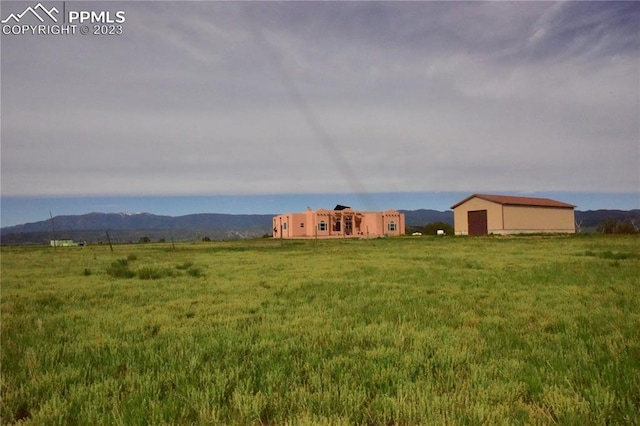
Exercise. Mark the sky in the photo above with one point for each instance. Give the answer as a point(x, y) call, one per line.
point(247, 107)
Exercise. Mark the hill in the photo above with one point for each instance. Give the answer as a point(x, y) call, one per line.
point(130, 227)
point(422, 217)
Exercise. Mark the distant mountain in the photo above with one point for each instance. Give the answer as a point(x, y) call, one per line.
point(131, 227)
point(127, 221)
point(422, 217)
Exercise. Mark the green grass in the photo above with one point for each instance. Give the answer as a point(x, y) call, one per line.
point(518, 330)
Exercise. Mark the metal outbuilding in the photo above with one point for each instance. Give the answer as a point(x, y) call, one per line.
point(482, 214)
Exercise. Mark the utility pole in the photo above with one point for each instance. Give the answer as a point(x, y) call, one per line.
point(109, 239)
point(53, 233)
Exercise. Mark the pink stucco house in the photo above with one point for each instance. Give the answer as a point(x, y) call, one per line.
point(342, 221)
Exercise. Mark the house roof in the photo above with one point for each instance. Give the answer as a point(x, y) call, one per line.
point(517, 201)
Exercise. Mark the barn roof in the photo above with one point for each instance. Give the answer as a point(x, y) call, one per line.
point(517, 201)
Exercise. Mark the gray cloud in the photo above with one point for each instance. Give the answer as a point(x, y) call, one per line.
point(200, 98)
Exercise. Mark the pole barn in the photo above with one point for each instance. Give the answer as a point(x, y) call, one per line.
point(483, 214)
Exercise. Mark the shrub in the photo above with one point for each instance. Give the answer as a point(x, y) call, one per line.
point(186, 265)
point(120, 269)
point(195, 272)
point(151, 330)
point(150, 273)
point(191, 270)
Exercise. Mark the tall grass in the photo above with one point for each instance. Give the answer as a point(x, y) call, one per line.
point(396, 331)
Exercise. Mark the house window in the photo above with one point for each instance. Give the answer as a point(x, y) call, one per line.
point(301, 224)
point(284, 226)
point(322, 226)
point(392, 226)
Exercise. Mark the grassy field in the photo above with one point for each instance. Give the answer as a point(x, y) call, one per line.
point(453, 330)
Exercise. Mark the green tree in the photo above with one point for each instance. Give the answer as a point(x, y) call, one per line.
point(433, 227)
point(610, 226)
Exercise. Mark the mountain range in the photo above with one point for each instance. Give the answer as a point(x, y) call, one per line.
point(132, 227)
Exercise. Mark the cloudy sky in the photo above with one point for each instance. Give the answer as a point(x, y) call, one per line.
point(242, 99)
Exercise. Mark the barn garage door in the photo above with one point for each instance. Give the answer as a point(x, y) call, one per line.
point(477, 222)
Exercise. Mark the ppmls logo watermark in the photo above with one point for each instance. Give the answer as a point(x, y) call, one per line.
point(57, 19)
